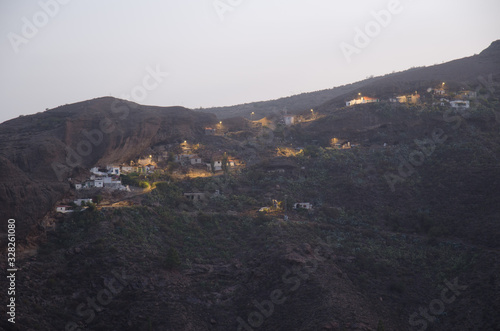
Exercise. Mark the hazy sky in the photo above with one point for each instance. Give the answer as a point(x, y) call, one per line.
point(55, 52)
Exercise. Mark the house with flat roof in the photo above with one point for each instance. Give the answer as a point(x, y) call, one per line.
point(303, 205)
point(361, 100)
point(79, 202)
point(63, 209)
point(460, 104)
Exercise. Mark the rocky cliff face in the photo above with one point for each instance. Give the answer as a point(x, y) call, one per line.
point(38, 153)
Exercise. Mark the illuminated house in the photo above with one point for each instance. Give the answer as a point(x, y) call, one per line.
point(128, 169)
point(145, 161)
point(361, 100)
point(412, 98)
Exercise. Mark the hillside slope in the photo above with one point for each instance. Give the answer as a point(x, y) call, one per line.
point(39, 152)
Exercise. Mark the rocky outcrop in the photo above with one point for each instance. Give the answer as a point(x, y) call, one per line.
point(38, 153)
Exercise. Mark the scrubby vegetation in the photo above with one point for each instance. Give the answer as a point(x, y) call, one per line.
point(404, 200)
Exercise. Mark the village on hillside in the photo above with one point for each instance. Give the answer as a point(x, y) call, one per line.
point(185, 160)
point(127, 180)
point(441, 95)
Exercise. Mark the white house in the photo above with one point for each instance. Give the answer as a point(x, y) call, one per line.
point(195, 160)
point(217, 166)
point(95, 171)
point(361, 100)
point(303, 205)
point(63, 209)
point(79, 202)
point(88, 184)
point(113, 170)
point(289, 119)
point(112, 183)
point(99, 182)
point(460, 104)
point(411, 98)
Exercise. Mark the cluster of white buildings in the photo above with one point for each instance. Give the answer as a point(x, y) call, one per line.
point(104, 179)
point(461, 102)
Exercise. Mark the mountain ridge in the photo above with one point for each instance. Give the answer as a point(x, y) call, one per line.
point(485, 63)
